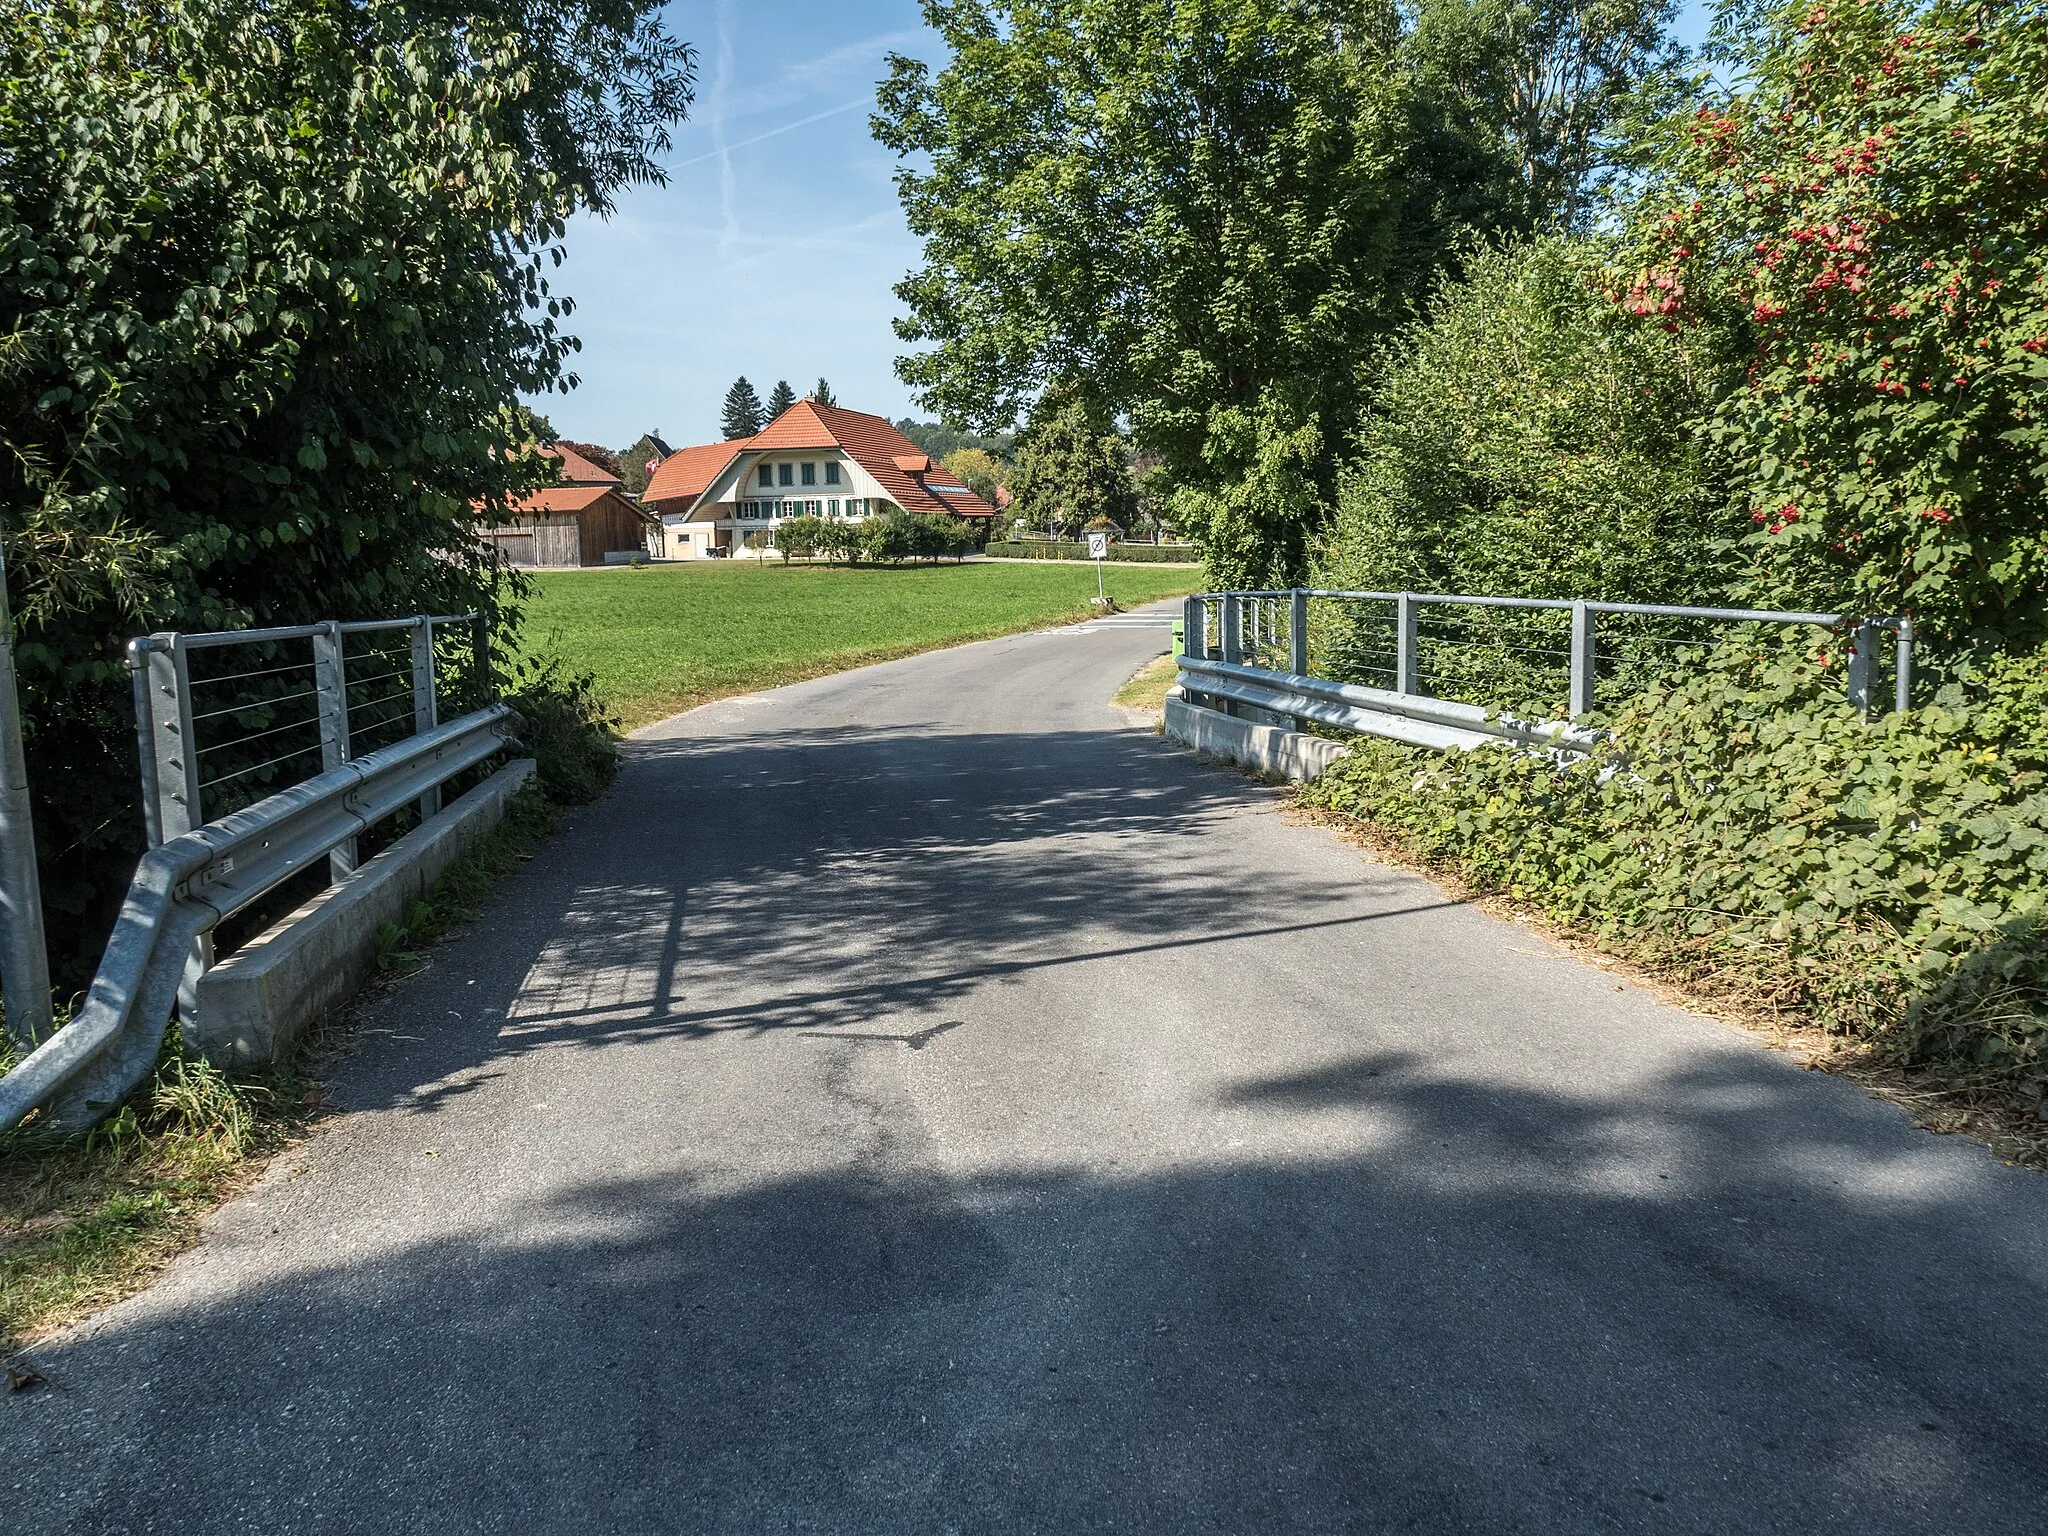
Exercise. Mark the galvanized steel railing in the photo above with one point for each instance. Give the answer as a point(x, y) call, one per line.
point(253, 771)
point(1386, 662)
point(279, 705)
point(187, 885)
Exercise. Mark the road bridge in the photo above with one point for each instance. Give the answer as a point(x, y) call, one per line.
point(917, 1100)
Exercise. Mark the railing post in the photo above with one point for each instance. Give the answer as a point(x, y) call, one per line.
point(1194, 628)
point(1864, 641)
point(480, 658)
point(330, 682)
point(1233, 629)
point(1297, 632)
point(145, 740)
point(1585, 660)
point(1407, 670)
point(426, 708)
point(1903, 684)
point(174, 745)
point(175, 752)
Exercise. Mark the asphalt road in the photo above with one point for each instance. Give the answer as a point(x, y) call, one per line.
point(918, 1101)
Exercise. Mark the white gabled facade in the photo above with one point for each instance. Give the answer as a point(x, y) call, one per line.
point(740, 509)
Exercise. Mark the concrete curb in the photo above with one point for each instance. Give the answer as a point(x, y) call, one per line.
point(254, 1004)
point(1267, 748)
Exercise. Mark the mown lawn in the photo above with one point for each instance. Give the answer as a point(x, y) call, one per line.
point(661, 638)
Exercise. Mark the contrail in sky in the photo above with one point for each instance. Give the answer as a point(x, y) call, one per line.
point(802, 122)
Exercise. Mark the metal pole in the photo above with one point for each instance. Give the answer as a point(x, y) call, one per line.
point(1297, 633)
point(1585, 660)
point(173, 777)
point(330, 682)
point(24, 953)
point(1407, 671)
point(145, 741)
point(480, 658)
point(1903, 689)
point(1233, 628)
point(1861, 646)
point(426, 708)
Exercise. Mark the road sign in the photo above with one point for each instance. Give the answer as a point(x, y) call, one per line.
point(1098, 546)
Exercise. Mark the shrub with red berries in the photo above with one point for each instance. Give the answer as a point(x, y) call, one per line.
point(1871, 203)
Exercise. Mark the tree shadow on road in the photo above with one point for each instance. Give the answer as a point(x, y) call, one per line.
point(825, 879)
point(1490, 1310)
point(1384, 1289)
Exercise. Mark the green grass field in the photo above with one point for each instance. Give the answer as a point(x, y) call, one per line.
point(662, 638)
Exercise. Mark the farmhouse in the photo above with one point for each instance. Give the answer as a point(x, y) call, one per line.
point(580, 520)
point(725, 499)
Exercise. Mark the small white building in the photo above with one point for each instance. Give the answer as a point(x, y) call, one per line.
point(725, 499)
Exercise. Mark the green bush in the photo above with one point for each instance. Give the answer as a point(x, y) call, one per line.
point(273, 284)
point(804, 536)
point(899, 536)
point(570, 731)
point(1740, 823)
point(1529, 441)
point(1066, 549)
point(1864, 198)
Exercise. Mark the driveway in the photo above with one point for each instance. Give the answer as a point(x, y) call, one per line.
point(916, 1100)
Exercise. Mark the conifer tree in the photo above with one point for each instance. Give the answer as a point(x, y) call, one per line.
point(823, 394)
point(742, 414)
point(781, 400)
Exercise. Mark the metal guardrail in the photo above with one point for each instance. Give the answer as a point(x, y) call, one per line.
point(1264, 649)
point(189, 883)
point(1413, 718)
point(292, 711)
point(226, 717)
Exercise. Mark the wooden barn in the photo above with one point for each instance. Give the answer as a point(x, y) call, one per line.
point(578, 522)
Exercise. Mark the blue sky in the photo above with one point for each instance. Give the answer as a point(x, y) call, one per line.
point(776, 244)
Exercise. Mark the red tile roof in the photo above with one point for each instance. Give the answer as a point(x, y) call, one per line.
point(576, 469)
point(688, 472)
point(564, 500)
point(898, 465)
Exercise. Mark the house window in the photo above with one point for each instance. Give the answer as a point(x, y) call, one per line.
point(832, 472)
point(767, 476)
point(832, 508)
point(810, 474)
point(786, 473)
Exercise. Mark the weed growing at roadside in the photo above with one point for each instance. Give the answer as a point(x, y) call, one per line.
point(84, 1220)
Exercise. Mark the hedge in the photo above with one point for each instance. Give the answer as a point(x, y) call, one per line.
point(1741, 828)
point(1069, 549)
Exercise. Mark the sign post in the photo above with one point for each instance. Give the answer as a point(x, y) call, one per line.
point(1098, 551)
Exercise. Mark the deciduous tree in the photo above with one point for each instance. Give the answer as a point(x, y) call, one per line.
point(979, 470)
point(1198, 215)
point(1070, 468)
point(273, 280)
